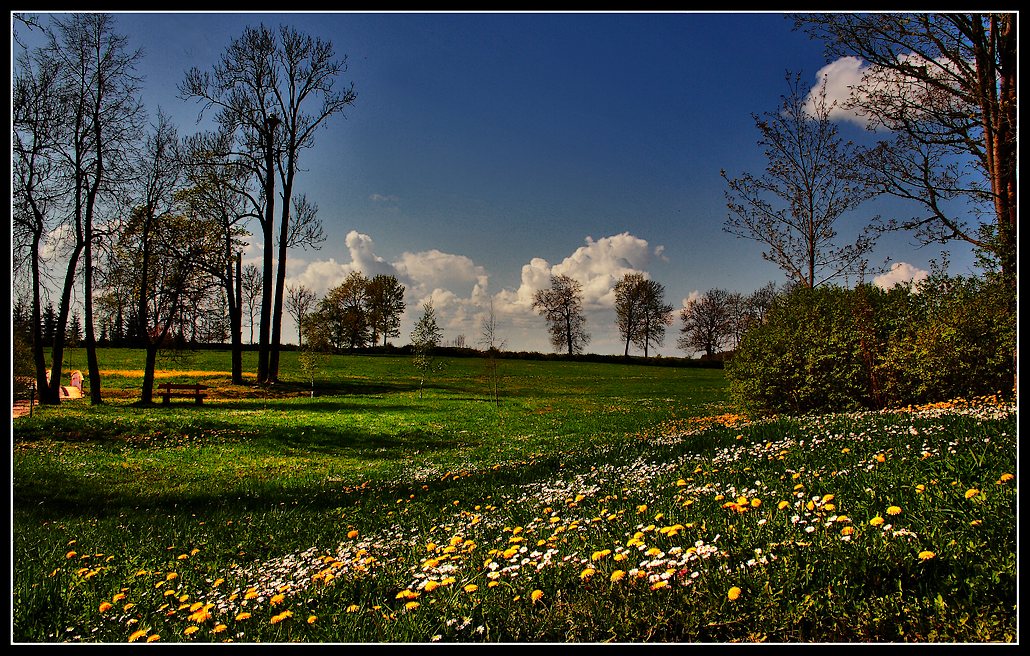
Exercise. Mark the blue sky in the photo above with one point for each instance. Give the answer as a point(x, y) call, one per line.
point(487, 150)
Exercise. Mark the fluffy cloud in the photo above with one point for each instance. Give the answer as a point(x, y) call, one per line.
point(456, 285)
point(692, 298)
point(845, 74)
point(459, 288)
point(597, 266)
point(840, 77)
point(900, 273)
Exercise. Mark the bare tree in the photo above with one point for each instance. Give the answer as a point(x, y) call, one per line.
point(300, 301)
point(808, 185)
point(628, 311)
point(88, 74)
point(562, 306)
point(490, 340)
point(945, 86)
point(425, 338)
point(706, 323)
point(655, 316)
point(263, 87)
point(38, 117)
point(220, 191)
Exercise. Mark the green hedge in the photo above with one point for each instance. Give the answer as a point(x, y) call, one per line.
point(836, 349)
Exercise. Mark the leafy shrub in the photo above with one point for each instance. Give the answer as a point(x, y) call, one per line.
point(806, 357)
point(957, 340)
point(832, 349)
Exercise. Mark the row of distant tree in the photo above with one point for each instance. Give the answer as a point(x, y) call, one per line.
point(716, 321)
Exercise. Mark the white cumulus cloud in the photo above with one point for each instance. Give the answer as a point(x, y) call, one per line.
point(840, 77)
point(900, 273)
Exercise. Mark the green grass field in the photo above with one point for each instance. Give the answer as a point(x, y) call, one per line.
point(587, 503)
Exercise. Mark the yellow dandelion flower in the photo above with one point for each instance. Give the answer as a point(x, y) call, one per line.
point(920, 488)
point(190, 630)
point(660, 584)
point(171, 576)
point(681, 483)
point(252, 593)
point(137, 635)
point(876, 521)
point(106, 606)
point(733, 593)
point(219, 628)
point(756, 502)
point(972, 492)
point(1006, 477)
point(280, 617)
point(536, 595)
point(412, 605)
point(153, 638)
point(617, 576)
point(893, 510)
point(218, 582)
point(471, 587)
point(277, 599)
point(847, 530)
point(353, 608)
point(243, 616)
point(71, 554)
point(431, 585)
point(352, 534)
point(926, 555)
point(781, 505)
point(642, 508)
point(312, 619)
point(118, 597)
point(587, 573)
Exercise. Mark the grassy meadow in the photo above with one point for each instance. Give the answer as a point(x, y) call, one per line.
point(587, 502)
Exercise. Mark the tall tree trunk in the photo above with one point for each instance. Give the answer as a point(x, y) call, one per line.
point(234, 294)
point(149, 366)
point(57, 350)
point(92, 362)
point(280, 279)
point(269, 253)
point(38, 356)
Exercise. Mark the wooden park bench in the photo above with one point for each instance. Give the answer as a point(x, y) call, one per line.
point(168, 390)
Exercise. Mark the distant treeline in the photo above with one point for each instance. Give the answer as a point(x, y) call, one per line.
point(465, 352)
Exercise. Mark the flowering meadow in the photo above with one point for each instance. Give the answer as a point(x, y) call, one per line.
point(487, 524)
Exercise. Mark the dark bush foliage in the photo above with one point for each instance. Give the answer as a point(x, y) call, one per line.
point(833, 349)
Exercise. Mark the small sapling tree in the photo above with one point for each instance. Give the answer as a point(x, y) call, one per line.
point(424, 339)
